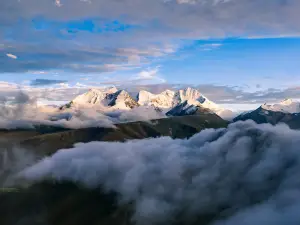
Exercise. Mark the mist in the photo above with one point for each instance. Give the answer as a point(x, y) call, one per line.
point(13, 160)
point(244, 174)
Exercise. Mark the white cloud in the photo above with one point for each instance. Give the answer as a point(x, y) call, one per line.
point(58, 3)
point(211, 46)
point(247, 172)
point(140, 114)
point(7, 85)
point(11, 56)
point(37, 72)
point(80, 85)
point(148, 74)
point(64, 85)
point(240, 107)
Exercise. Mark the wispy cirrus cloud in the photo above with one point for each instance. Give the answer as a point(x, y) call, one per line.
point(77, 58)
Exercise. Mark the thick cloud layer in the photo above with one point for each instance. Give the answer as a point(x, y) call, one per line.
point(245, 174)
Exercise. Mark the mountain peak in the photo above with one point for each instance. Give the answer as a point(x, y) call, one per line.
point(92, 97)
point(162, 100)
point(121, 100)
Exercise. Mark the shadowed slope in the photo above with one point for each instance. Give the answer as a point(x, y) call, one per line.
point(262, 115)
point(176, 127)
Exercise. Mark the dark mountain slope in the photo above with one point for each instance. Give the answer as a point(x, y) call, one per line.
point(176, 127)
point(65, 203)
point(185, 109)
point(60, 204)
point(262, 115)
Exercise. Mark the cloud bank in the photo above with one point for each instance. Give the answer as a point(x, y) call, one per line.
point(245, 174)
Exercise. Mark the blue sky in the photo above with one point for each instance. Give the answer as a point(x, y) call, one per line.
point(238, 62)
point(248, 46)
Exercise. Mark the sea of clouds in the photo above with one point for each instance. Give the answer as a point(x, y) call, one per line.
point(244, 174)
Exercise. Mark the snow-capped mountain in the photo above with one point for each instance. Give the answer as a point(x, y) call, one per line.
point(94, 96)
point(163, 100)
point(285, 106)
point(121, 100)
point(101, 97)
point(190, 94)
point(110, 97)
point(166, 101)
point(170, 99)
point(286, 111)
point(196, 98)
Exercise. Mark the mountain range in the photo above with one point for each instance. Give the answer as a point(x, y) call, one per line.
point(187, 101)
